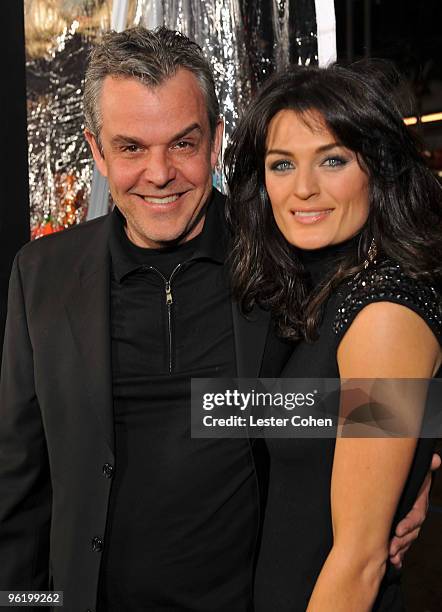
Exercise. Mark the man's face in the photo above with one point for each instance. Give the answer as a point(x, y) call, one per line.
point(158, 155)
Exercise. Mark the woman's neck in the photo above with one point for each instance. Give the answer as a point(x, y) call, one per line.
point(320, 263)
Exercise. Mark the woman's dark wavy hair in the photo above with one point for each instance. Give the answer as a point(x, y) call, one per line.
point(360, 106)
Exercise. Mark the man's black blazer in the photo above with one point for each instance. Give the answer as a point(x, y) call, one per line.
point(56, 419)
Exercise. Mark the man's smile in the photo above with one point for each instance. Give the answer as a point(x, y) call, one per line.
point(161, 199)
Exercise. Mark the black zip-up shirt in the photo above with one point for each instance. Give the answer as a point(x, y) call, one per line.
point(183, 512)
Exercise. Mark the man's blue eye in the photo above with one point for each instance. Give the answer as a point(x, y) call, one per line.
point(183, 144)
point(130, 148)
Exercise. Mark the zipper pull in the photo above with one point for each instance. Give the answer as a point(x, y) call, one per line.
point(168, 294)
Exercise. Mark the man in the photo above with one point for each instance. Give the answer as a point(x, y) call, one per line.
point(107, 323)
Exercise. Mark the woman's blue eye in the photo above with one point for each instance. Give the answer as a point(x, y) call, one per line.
point(282, 165)
point(334, 162)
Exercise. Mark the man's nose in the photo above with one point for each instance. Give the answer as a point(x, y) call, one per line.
point(159, 169)
point(305, 183)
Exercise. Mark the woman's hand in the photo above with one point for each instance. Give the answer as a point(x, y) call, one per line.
point(408, 529)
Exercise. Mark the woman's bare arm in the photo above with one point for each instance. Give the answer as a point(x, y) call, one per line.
point(385, 340)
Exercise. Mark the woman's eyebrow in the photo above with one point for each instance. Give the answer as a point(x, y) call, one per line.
point(320, 149)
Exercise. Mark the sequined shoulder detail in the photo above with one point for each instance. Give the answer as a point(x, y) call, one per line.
point(387, 282)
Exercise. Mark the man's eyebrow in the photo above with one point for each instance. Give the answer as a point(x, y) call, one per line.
point(121, 139)
point(322, 149)
point(186, 131)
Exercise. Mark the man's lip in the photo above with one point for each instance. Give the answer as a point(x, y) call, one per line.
point(161, 199)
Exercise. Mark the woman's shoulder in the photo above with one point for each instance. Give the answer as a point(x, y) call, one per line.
point(386, 281)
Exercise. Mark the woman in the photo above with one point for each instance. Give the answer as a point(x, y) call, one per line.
point(338, 231)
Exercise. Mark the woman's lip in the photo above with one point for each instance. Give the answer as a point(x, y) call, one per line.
point(307, 217)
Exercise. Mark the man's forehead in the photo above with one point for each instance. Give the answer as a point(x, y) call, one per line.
point(183, 82)
point(175, 104)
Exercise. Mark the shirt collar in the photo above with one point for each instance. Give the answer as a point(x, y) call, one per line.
point(211, 242)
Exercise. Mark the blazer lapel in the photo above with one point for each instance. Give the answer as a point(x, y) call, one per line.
point(250, 338)
point(89, 316)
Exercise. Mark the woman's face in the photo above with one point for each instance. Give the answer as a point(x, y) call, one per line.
point(317, 189)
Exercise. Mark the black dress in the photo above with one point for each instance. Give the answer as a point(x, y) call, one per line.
point(297, 530)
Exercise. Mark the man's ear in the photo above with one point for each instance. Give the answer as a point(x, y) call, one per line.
point(217, 142)
point(96, 152)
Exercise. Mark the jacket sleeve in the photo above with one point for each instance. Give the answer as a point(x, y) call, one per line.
point(25, 489)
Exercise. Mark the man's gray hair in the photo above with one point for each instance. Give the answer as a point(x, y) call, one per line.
point(150, 56)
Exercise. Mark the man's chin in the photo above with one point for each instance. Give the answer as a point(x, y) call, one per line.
point(163, 239)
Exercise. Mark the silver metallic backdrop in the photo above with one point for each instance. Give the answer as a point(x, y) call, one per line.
point(245, 41)
point(59, 35)
point(218, 28)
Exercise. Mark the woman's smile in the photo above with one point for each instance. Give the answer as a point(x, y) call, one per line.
point(308, 217)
